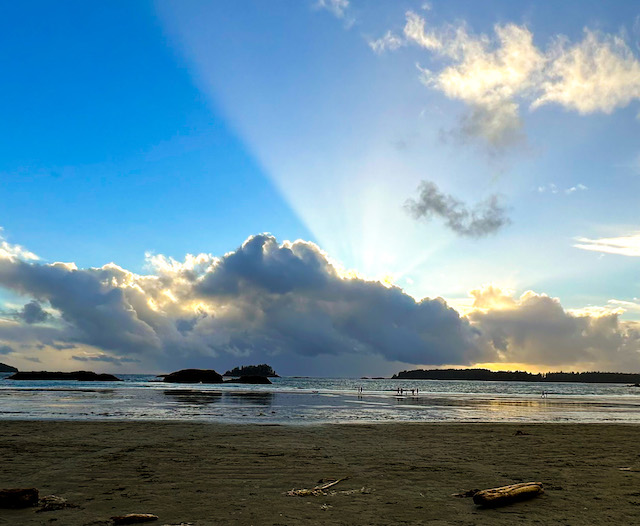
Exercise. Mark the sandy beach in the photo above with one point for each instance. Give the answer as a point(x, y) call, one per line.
point(208, 474)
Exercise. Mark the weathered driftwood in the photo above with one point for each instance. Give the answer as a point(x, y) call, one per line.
point(18, 497)
point(133, 518)
point(507, 494)
point(314, 492)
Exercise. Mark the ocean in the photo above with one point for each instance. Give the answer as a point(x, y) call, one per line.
point(300, 401)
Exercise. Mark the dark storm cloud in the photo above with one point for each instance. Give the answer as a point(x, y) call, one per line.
point(485, 218)
point(289, 305)
point(33, 312)
point(262, 300)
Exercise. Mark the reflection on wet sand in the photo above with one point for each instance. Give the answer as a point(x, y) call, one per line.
point(195, 397)
point(493, 404)
point(191, 397)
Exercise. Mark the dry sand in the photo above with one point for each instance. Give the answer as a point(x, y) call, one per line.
point(209, 474)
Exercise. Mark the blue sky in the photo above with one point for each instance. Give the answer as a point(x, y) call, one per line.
point(137, 132)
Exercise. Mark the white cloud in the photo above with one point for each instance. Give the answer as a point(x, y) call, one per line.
point(337, 7)
point(577, 188)
point(13, 252)
point(623, 245)
point(598, 74)
point(553, 189)
point(414, 31)
point(388, 41)
point(625, 305)
point(494, 75)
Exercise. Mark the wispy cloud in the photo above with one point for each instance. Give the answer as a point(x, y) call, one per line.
point(551, 188)
point(626, 305)
point(387, 42)
point(496, 74)
point(337, 8)
point(485, 218)
point(624, 245)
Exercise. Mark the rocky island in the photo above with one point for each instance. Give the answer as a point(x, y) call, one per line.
point(209, 376)
point(80, 376)
point(253, 370)
point(193, 376)
point(4, 368)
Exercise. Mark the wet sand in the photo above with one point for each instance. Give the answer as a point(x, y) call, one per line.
point(212, 474)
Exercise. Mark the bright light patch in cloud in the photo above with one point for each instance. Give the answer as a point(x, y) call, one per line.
point(624, 245)
point(598, 74)
point(536, 329)
point(10, 251)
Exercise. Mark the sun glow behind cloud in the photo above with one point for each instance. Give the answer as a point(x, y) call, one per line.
point(347, 142)
point(331, 159)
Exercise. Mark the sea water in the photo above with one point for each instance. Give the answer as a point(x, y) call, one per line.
point(319, 400)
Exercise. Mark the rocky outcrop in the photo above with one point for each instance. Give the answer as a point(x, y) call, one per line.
point(4, 368)
point(193, 376)
point(15, 498)
point(249, 379)
point(80, 376)
point(253, 370)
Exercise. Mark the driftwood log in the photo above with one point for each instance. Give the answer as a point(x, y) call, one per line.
point(494, 497)
point(314, 492)
point(133, 518)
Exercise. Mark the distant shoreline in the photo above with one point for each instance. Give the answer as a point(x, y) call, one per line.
point(484, 375)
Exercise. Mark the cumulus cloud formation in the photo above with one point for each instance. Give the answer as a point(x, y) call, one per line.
point(264, 301)
point(536, 329)
point(496, 74)
point(623, 245)
point(485, 218)
point(289, 305)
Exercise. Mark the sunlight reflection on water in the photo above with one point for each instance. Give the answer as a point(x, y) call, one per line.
point(317, 400)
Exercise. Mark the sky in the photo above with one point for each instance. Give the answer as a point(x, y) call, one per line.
point(333, 187)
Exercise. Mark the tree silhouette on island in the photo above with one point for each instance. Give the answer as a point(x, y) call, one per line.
point(253, 370)
point(516, 376)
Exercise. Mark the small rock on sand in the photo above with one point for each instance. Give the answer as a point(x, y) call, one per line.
point(16, 498)
point(133, 518)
